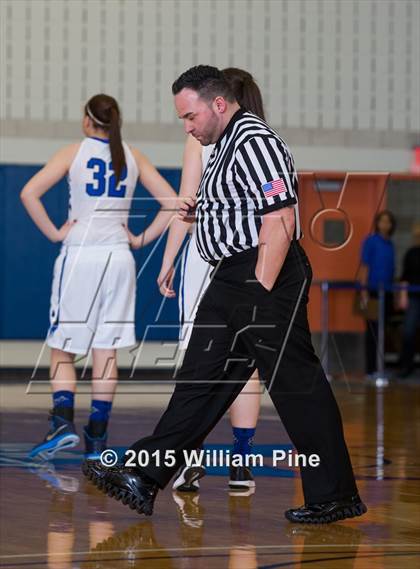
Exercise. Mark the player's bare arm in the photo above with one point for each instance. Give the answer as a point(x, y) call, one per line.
point(191, 175)
point(55, 169)
point(159, 188)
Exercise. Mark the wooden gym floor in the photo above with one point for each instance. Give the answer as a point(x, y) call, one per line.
point(51, 517)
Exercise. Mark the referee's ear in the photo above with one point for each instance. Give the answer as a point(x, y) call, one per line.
point(220, 104)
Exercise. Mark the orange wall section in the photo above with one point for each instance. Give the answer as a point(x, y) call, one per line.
point(359, 196)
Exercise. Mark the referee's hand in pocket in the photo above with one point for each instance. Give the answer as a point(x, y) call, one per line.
point(165, 281)
point(186, 210)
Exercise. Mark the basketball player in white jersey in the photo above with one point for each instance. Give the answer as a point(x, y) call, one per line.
point(94, 283)
point(195, 277)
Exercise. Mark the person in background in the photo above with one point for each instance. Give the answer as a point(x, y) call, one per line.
point(410, 303)
point(377, 269)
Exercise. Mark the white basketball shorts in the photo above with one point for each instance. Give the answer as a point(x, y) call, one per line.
point(195, 278)
point(93, 299)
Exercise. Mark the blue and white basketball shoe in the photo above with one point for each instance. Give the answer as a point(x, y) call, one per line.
point(61, 436)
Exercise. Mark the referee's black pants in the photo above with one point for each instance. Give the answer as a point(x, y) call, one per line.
point(241, 326)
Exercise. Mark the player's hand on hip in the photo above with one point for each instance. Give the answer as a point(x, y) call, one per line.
point(165, 281)
point(186, 210)
point(64, 231)
point(135, 241)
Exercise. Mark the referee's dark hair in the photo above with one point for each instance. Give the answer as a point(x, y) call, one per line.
point(209, 82)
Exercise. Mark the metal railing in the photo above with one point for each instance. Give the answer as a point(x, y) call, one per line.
point(326, 286)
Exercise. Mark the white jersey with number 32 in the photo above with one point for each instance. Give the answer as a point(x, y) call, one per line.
point(99, 205)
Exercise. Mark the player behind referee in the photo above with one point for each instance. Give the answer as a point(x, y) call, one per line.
point(253, 313)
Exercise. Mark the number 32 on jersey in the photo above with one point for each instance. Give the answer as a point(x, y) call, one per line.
point(104, 182)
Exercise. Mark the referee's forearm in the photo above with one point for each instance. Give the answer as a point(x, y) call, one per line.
point(273, 244)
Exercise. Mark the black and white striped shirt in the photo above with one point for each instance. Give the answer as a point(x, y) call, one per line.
point(249, 173)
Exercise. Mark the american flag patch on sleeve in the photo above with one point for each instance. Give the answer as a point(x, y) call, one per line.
point(275, 188)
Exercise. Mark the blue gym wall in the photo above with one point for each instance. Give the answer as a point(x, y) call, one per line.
point(27, 258)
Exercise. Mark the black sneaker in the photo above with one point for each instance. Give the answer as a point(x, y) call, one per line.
point(94, 471)
point(241, 478)
point(327, 512)
point(126, 484)
point(94, 446)
point(187, 478)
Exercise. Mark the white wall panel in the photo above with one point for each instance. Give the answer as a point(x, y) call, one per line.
point(310, 107)
point(148, 108)
point(93, 62)
point(341, 64)
point(364, 66)
point(328, 69)
point(292, 87)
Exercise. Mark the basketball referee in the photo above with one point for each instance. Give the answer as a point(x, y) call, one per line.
point(253, 314)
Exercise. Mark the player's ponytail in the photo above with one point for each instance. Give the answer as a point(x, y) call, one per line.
point(245, 89)
point(105, 114)
point(115, 143)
